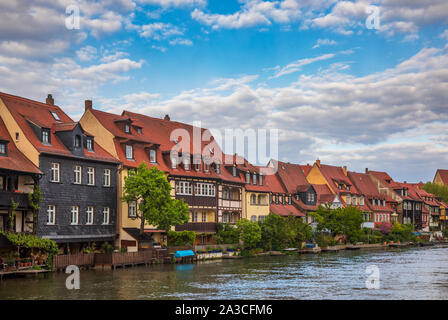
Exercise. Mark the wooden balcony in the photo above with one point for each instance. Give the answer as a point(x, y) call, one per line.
point(20, 198)
point(199, 227)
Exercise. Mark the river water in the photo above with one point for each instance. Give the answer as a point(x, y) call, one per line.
point(413, 273)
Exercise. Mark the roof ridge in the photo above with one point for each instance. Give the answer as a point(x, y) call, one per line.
point(29, 100)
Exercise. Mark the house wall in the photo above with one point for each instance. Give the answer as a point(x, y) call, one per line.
point(66, 194)
point(255, 209)
point(315, 176)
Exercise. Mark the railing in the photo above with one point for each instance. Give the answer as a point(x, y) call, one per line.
point(81, 259)
point(202, 227)
point(20, 198)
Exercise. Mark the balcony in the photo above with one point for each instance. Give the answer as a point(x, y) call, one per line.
point(20, 198)
point(199, 227)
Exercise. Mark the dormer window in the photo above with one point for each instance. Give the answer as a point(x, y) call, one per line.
point(77, 141)
point(55, 116)
point(218, 168)
point(152, 156)
point(127, 128)
point(89, 144)
point(373, 201)
point(173, 162)
point(129, 152)
point(139, 130)
point(187, 163)
point(340, 186)
point(347, 187)
point(46, 136)
point(3, 149)
point(254, 179)
point(197, 166)
point(260, 179)
point(384, 203)
point(234, 171)
point(247, 177)
point(207, 167)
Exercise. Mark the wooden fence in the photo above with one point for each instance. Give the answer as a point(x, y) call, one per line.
point(60, 262)
point(124, 258)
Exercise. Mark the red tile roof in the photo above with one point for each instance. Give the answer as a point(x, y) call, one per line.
point(285, 210)
point(443, 175)
point(306, 169)
point(292, 177)
point(336, 174)
point(24, 110)
point(14, 160)
point(324, 194)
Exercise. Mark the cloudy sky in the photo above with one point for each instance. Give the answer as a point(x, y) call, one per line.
point(336, 89)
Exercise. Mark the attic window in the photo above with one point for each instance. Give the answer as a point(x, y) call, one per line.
point(218, 168)
point(129, 152)
point(2, 148)
point(211, 151)
point(89, 144)
point(127, 128)
point(77, 141)
point(46, 136)
point(152, 156)
point(55, 116)
point(139, 130)
point(234, 171)
point(261, 179)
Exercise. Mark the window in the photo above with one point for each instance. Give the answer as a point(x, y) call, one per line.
point(187, 163)
point(361, 200)
point(127, 128)
point(106, 181)
point(204, 189)
point(51, 211)
point(283, 199)
point(89, 144)
point(78, 175)
point(261, 218)
point(89, 219)
point(91, 176)
point(129, 152)
point(173, 162)
point(184, 187)
point(276, 198)
point(253, 218)
point(289, 200)
point(74, 215)
point(384, 203)
point(218, 168)
point(139, 130)
point(254, 179)
point(54, 176)
point(197, 166)
point(106, 215)
point(77, 141)
point(247, 177)
point(234, 171)
point(132, 209)
point(253, 199)
point(46, 136)
point(204, 216)
point(260, 179)
point(195, 217)
point(55, 116)
point(152, 156)
point(225, 193)
point(348, 199)
point(355, 201)
point(2, 148)
point(207, 167)
point(309, 197)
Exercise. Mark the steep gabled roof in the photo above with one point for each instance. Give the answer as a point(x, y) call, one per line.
point(443, 175)
point(336, 174)
point(40, 114)
point(292, 177)
point(14, 160)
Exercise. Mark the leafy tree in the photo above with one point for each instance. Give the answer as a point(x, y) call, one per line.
point(152, 191)
point(249, 233)
point(34, 200)
point(439, 190)
point(181, 238)
point(226, 233)
point(345, 221)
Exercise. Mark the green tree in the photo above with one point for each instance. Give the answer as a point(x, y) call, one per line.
point(249, 233)
point(34, 200)
point(226, 233)
point(152, 191)
point(439, 190)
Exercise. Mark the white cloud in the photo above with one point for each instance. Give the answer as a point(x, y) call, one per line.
point(182, 42)
point(160, 30)
point(298, 64)
point(324, 42)
point(87, 53)
point(175, 3)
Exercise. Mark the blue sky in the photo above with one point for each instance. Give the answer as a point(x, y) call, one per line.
point(335, 89)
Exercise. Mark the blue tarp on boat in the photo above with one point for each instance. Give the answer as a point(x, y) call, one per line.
point(184, 253)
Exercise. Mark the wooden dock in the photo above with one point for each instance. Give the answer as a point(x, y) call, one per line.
point(26, 272)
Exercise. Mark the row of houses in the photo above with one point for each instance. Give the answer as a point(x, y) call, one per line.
point(81, 166)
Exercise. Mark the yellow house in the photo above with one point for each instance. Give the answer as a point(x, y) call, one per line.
point(441, 177)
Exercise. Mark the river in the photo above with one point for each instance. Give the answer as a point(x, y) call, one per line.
point(412, 273)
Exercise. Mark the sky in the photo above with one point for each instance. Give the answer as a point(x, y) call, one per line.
point(337, 89)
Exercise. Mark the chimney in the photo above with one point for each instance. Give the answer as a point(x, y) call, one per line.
point(318, 162)
point(367, 170)
point(88, 105)
point(50, 100)
point(167, 117)
point(344, 169)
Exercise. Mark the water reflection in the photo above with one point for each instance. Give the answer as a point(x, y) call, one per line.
point(415, 273)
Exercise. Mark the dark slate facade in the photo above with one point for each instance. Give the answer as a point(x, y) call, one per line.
point(66, 194)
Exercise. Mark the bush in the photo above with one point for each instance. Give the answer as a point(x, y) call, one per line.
point(324, 239)
point(181, 238)
point(249, 233)
point(226, 233)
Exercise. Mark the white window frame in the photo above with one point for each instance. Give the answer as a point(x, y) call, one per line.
point(348, 199)
point(90, 213)
point(254, 179)
point(45, 136)
point(152, 156)
point(204, 216)
point(90, 176)
point(361, 200)
point(129, 152)
point(184, 188)
point(132, 205)
point(55, 175)
point(106, 176)
point(127, 128)
point(51, 214)
point(77, 175)
point(106, 215)
point(89, 144)
point(205, 190)
point(187, 163)
point(74, 212)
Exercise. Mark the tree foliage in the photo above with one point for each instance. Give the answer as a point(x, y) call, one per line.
point(226, 233)
point(249, 232)
point(181, 238)
point(340, 221)
point(152, 191)
point(439, 190)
